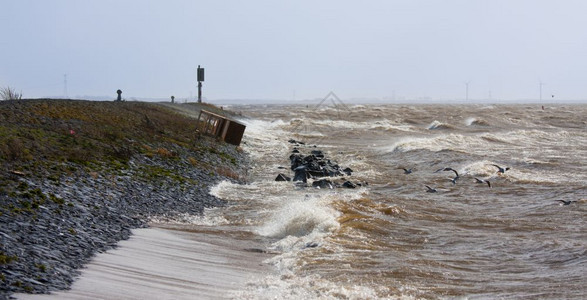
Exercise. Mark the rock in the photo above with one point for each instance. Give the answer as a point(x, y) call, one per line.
point(282, 177)
point(348, 171)
point(323, 184)
point(292, 141)
point(296, 160)
point(315, 165)
point(318, 153)
point(349, 185)
point(301, 174)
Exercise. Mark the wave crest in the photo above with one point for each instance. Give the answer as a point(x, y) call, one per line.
point(439, 125)
point(300, 218)
point(476, 122)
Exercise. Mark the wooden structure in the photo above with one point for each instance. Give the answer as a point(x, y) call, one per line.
point(221, 127)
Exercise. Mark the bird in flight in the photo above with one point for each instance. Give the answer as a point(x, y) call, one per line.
point(454, 180)
point(566, 202)
point(477, 180)
point(407, 171)
point(430, 190)
point(500, 169)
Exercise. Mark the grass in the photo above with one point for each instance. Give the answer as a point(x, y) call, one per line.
point(57, 139)
point(6, 259)
point(85, 131)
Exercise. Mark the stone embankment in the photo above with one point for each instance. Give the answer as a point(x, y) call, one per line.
point(58, 211)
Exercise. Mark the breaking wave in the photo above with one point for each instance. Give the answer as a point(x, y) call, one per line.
point(436, 125)
point(476, 122)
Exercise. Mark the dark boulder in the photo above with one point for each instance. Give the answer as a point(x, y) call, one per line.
point(315, 165)
point(318, 153)
point(292, 141)
point(282, 177)
point(296, 160)
point(301, 174)
point(331, 171)
point(348, 171)
point(349, 185)
point(323, 184)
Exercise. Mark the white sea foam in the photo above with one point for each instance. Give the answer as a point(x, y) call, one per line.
point(438, 125)
point(208, 218)
point(470, 121)
point(301, 217)
point(265, 140)
point(309, 287)
point(476, 122)
point(382, 124)
point(456, 142)
point(273, 192)
point(485, 142)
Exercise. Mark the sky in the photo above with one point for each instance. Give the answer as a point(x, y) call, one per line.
point(293, 50)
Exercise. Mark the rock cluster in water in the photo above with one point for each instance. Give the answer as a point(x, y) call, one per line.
point(316, 166)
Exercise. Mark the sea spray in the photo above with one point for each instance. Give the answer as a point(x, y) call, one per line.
point(439, 125)
point(476, 122)
point(301, 217)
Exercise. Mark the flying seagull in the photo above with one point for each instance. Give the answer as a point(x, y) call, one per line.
point(443, 169)
point(477, 180)
point(430, 190)
point(407, 171)
point(566, 202)
point(454, 180)
point(500, 169)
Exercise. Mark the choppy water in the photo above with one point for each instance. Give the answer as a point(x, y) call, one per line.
point(392, 239)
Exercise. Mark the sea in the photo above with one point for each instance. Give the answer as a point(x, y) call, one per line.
point(391, 237)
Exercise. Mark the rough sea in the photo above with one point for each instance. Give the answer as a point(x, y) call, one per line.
point(391, 238)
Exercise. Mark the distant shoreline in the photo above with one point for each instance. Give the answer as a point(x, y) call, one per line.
point(351, 101)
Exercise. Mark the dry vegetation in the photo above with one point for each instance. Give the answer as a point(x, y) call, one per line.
point(88, 133)
point(8, 93)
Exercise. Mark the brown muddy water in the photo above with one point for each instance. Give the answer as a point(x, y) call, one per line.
point(393, 239)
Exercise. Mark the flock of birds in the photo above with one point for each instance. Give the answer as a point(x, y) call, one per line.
point(457, 176)
point(500, 170)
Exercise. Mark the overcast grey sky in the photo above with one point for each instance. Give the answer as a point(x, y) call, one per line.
point(303, 49)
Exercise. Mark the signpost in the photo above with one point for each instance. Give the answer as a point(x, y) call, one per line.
point(200, 79)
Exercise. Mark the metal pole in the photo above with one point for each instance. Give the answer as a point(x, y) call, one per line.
point(65, 94)
point(200, 79)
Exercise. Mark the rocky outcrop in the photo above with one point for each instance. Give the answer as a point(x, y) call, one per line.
point(316, 166)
